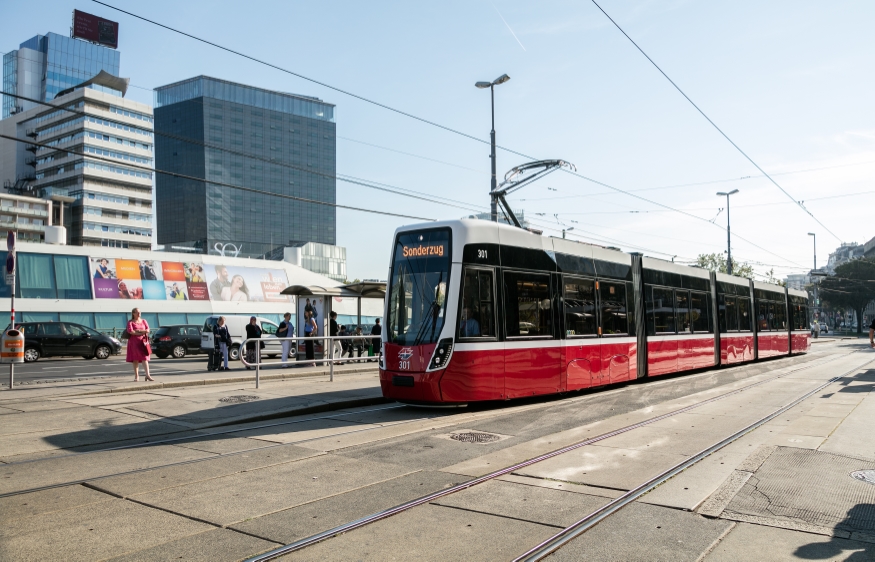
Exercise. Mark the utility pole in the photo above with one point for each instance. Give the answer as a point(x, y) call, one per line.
point(728, 236)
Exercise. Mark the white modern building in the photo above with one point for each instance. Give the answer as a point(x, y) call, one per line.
point(106, 172)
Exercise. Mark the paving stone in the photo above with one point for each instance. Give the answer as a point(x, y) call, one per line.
point(241, 496)
point(646, 533)
point(527, 503)
point(25, 476)
point(220, 444)
point(315, 517)
point(431, 532)
point(305, 431)
point(47, 501)
point(211, 468)
point(92, 532)
point(750, 542)
point(215, 545)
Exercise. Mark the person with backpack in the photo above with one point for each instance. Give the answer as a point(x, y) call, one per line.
point(222, 339)
point(286, 330)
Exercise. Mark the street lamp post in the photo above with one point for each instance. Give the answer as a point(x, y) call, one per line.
point(814, 279)
point(491, 85)
point(564, 230)
point(728, 237)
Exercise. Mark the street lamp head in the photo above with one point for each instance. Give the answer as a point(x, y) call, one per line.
point(724, 194)
point(483, 84)
point(811, 234)
point(501, 80)
point(733, 192)
point(569, 229)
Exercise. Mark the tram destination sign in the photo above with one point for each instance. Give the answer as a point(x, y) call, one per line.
point(424, 250)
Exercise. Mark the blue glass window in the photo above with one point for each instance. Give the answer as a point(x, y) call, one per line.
point(83, 318)
point(106, 321)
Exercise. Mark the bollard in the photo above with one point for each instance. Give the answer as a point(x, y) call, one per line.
point(257, 364)
point(331, 363)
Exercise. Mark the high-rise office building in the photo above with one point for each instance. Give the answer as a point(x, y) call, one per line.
point(47, 64)
point(238, 135)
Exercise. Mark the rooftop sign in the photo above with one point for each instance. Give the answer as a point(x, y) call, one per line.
point(92, 28)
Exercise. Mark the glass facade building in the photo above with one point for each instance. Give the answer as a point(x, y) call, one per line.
point(237, 135)
point(48, 64)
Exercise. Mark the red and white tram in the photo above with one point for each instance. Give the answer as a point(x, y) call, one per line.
point(477, 310)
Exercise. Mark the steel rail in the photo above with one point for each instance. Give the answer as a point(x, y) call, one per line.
point(374, 517)
point(191, 461)
point(571, 532)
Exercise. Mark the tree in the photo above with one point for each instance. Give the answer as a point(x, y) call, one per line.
point(717, 262)
point(852, 286)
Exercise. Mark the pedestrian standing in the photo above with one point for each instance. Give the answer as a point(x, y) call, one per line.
point(377, 331)
point(222, 339)
point(359, 342)
point(286, 330)
point(311, 330)
point(253, 332)
point(344, 344)
point(139, 351)
point(334, 329)
point(872, 334)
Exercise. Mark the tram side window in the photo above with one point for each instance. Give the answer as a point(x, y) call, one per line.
point(744, 314)
point(731, 314)
point(477, 318)
point(612, 302)
point(682, 309)
point(580, 317)
point(661, 309)
point(700, 312)
point(527, 305)
point(763, 316)
point(800, 317)
point(780, 316)
point(773, 320)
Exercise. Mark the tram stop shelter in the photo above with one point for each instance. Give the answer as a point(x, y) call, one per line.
point(356, 304)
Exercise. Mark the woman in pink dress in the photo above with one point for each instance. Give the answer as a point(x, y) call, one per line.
point(138, 344)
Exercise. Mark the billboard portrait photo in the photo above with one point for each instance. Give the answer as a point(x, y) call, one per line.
point(245, 284)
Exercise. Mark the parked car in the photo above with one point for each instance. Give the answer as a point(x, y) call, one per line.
point(237, 330)
point(58, 339)
point(176, 341)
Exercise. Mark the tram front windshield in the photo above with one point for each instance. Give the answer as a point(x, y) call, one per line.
point(418, 287)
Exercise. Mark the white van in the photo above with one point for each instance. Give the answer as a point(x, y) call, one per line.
point(237, 329)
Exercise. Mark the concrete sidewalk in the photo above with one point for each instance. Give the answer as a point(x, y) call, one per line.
point(45, 421)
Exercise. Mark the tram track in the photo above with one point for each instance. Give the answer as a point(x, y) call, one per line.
point(230, 431)
point(594, 517)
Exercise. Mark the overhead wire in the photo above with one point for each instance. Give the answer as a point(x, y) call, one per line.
point(412, 116)
point(341, 177)
point(743, 153)
point(204, 180)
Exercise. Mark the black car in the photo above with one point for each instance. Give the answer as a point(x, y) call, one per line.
point(55, 339)
point(177, 341)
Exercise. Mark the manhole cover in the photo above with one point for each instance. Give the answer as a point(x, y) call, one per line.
point(475, 437)
point(238, 399)
point(864, 475)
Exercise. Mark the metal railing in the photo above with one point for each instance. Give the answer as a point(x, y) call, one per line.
point(329, 346)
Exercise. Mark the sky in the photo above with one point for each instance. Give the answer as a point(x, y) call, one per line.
point(789, 82)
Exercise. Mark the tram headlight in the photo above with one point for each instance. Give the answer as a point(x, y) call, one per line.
point(441, 355)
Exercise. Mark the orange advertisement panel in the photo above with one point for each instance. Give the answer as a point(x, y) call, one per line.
point(127, 269)
point(173, 271)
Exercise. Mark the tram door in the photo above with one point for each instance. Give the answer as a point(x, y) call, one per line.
point(582, 349)
point(532, 349)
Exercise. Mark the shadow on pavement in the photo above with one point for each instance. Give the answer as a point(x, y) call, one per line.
point(860, 518)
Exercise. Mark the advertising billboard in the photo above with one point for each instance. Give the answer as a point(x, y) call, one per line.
point(188, 281)
point(93, 28)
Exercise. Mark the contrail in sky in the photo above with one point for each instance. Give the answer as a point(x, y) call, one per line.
point(508, 26)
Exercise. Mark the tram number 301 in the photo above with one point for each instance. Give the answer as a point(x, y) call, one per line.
point(404, 364)
point(482, 254)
